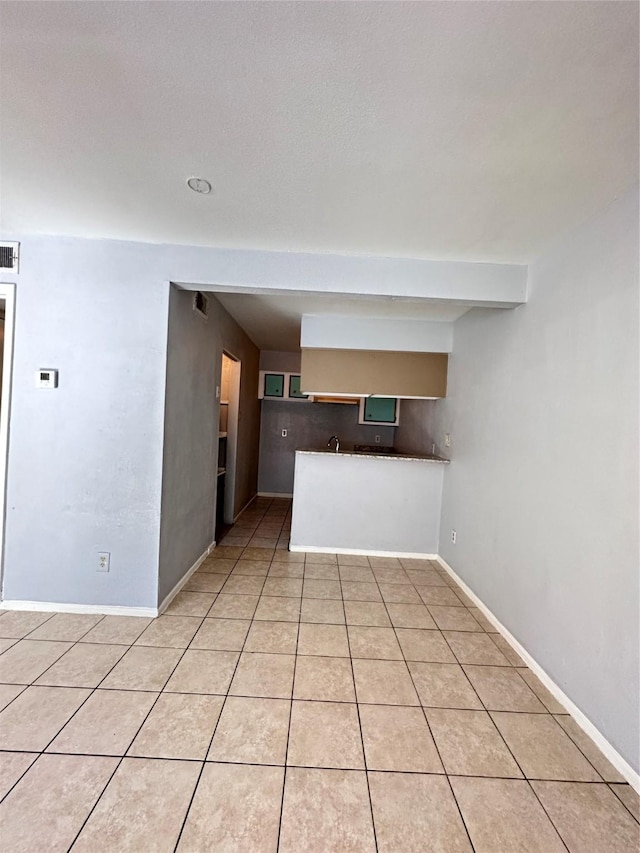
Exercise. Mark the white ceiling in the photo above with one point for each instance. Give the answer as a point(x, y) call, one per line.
point(447, 130)
point(273, 322)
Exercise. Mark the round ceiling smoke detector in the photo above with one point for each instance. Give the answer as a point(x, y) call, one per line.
point(199, 185)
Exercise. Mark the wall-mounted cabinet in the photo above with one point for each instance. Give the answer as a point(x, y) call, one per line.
point(382, 411)
point(276, 385)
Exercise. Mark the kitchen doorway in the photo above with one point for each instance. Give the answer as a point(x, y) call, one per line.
point(231, 368)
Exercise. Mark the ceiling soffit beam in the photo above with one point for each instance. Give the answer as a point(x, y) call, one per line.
point(359, 333)
point(244, 271)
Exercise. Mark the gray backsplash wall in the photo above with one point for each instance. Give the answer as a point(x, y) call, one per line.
point(308, 425)
point(413, 434)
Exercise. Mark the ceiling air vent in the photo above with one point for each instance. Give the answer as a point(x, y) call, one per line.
point(201, 303)
point(9, 256)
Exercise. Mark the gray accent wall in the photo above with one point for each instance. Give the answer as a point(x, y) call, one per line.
point(192, 412)
point(412, 434)
point(543, 485)
point(309, 426)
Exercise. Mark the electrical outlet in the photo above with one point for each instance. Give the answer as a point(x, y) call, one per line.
point(104, 558)
point(447, 439)
point(284, 433)
point(377, 439)
point(454, 536)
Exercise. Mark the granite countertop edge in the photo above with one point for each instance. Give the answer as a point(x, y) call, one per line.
point(360, 454)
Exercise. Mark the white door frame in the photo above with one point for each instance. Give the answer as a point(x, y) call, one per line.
point(8, 293)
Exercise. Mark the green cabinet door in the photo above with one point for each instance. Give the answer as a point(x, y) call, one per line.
point(274, 385)
point(380, 410)
point(294, 388)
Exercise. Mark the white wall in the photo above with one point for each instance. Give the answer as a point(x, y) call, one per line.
point(542, 408)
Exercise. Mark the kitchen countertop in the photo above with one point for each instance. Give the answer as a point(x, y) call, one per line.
point(416, 457)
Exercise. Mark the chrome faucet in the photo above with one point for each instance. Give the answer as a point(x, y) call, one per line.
point(337, 442)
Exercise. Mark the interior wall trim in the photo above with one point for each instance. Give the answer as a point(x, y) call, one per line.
point(194, 568)
point(359, 552)
point(621, 765)
point(63, 607)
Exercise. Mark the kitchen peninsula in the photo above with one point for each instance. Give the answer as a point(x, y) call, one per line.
point(357, 502)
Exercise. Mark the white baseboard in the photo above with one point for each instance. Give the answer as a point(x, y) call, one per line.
point(275, 494)
point(359, 552)
point(194, 568)
point(621, 765)
point(62, 607)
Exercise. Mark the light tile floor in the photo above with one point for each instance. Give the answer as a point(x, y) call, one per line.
point(297, 703)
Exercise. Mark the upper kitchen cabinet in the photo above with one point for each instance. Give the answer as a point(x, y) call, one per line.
point(382, 411)
point(364, 372)
point(276, 385)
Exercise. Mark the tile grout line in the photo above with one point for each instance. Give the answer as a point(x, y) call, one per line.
point(446, 775)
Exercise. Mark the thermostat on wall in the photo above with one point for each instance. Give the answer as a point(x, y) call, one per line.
point(46, 378)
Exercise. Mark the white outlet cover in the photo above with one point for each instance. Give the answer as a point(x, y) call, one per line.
point(284, 433)
point(46, 378)
point(447, 439)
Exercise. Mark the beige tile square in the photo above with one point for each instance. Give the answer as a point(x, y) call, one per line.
point(443, 685)
point(326, 640)
point(170, 632)
point(589, 818)
point(237, 584)
point(424, 645)
point(356, 574)
point(385, 562)
point(501, 689)
point(12, 766)
point(15, 624)
point(323, 559)
point(36, 716)
point(266, 542)
point(453, 619)
point(253, 568)
point(370, 613)
point(262, 554)
point(428, 578)
point(6, 643)
point(484, 623)
point(288, 587)
point(270, 676)
point(117, 629)
point(324, 679)
point(588, 748)
point(410, 616)
point(355, 591)
point(289, 557)
point(321, 588)
point(180, 725)
point(66, 626)
point(278, 609)
point(384, 682)
point(225, 552)
point(391, 576)
point(470, 745)
point(203, 671)
point(286, 570)
point(326, 611)
point(142, 807)
point(325, 734)
point(218, 565)
point(84, 665)
point(143, 668)
point(28, 659)
point(542, 749)
point(326, 810)
point(236, 808)
point(547, 699)
point(376, 643)
point(191, 604)
point(629, 797)
point(352, 560)
point(222, 634)
point(50, 803)
point(106, 723)
point(398, 738)
point(415, 813)
point(252, 731)
point(475, 648)
point(505, 814)
point(8, 693)
point(234, 606)
point(397, 593)
point(274, 637)
point(438, 595)
point(208, 582)
point(321, 571)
